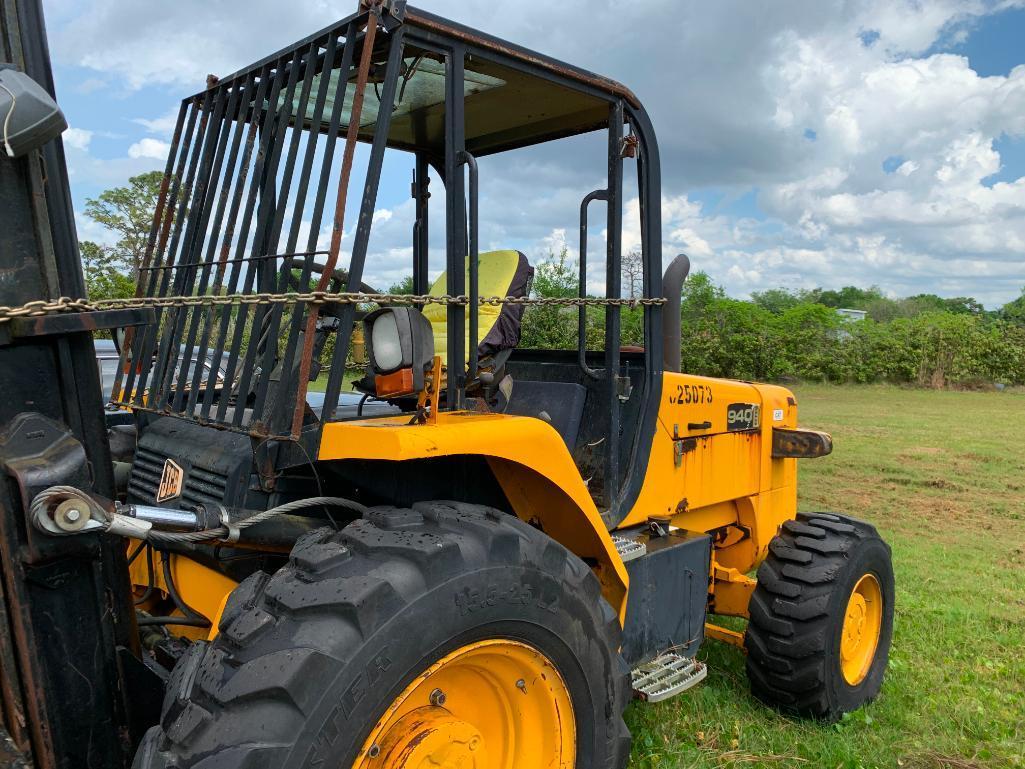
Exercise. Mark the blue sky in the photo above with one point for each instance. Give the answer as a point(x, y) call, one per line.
point(813, 143)
point(994, 47)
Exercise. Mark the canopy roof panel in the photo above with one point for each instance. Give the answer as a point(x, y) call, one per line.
point(513, 97)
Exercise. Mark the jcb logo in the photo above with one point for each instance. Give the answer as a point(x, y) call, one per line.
point(170, 481)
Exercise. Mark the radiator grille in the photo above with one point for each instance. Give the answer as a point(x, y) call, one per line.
point(202, 485)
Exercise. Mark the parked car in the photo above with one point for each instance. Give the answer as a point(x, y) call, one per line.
point(352, 404)
point(107, 358)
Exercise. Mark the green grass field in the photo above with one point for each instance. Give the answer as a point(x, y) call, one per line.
point(319, 384)
point(942, 475)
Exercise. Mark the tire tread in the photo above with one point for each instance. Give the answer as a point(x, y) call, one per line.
point(789, 612)
point(333, 587)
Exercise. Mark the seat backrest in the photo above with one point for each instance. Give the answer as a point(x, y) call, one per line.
point(499, 273)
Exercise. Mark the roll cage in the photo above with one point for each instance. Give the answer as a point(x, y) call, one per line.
point(244, 208)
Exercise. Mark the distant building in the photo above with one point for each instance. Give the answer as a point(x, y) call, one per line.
point(852, 315)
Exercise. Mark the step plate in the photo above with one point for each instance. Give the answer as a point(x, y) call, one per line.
point(629, 549)
point(666, 676)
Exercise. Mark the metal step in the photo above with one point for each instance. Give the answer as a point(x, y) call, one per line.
point(666, 676)
point(629, 549)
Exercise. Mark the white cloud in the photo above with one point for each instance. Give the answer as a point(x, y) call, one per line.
point(941, 119)
point(803, 102)
point(907, 168)
point(90, 230)
point(180, 43)
point(79, 138)
point(162, 125)
point(149, 148)
point(91, 85)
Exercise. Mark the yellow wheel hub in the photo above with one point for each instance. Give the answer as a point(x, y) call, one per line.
point(429, 737)
point(862, 627)
point(489, 705)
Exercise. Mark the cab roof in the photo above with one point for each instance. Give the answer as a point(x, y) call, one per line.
point(513, 96)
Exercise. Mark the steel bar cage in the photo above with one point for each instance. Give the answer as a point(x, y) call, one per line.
point(243, 208)
point(244, 203)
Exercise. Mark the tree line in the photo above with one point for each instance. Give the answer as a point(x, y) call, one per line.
point(782, 334)
point(778, 334)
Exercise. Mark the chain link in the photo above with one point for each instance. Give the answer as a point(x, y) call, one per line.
point(44, 307)
point(67, 304)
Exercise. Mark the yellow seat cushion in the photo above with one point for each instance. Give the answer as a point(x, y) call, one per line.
point(497, 270)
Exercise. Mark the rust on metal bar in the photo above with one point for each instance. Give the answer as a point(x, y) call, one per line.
point(74, 322)
point(434, 24)
point(13, 715)
point(158, 215)
point(351, 135)
point(158, 212)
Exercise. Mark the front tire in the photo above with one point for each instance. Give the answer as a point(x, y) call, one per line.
point(313, 666)
point(821, 617)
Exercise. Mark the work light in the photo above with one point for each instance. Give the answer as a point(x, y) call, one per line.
point(400, 347)
point(29, 117)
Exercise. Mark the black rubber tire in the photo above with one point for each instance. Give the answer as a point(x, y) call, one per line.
point(797, 613)
point(307, 661)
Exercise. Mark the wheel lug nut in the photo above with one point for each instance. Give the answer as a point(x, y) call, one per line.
point(375, 751)
point(438, 698)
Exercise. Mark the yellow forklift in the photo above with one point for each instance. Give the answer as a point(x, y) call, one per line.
point(478, 555)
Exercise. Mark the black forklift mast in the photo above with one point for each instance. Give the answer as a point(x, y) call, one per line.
point(67, 662)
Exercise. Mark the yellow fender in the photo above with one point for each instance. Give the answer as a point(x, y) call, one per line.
point(529, 459)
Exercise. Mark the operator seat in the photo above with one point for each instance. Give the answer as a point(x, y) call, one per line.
point(508, 273)
point(499, 273)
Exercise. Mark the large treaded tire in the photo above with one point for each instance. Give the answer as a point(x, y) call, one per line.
point(307, 661)
point(797, 612)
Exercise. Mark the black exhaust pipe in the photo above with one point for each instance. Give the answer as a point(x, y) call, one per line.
point(672, 288)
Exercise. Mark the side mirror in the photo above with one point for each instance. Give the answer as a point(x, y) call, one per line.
point(400, 348)
point(29, 117)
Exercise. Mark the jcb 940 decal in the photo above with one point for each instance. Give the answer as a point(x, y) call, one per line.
point(687, 393)
point(743, 416)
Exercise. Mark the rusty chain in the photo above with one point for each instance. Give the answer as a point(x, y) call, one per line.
point(316, 298)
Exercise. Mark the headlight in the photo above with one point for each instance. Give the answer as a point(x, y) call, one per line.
point(401, 347)
point(386, 344)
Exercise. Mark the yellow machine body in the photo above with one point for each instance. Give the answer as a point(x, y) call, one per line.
point(202, 588)
point(527, 456)
point(702, 472)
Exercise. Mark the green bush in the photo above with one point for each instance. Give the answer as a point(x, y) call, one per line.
point(922, 340)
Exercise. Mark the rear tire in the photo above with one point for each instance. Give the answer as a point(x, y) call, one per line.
point(308, 661)
point(815, 646)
